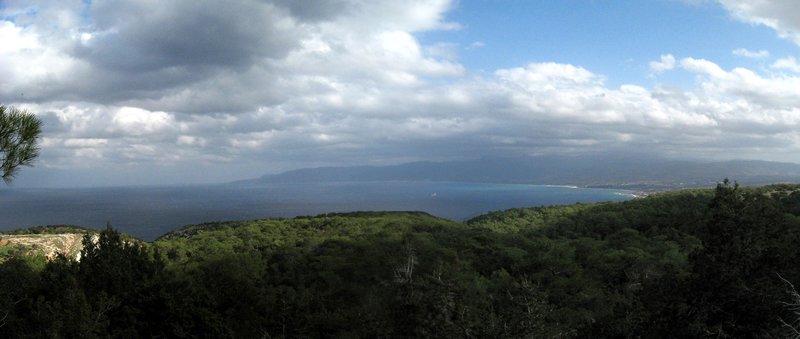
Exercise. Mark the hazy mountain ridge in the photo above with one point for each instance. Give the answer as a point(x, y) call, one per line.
point(599, 171)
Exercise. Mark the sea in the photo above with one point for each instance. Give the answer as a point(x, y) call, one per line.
point(148, 212)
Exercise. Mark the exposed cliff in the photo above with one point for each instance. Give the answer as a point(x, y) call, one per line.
point(47, 245)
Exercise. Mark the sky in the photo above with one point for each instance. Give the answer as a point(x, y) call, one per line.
point(144, 92)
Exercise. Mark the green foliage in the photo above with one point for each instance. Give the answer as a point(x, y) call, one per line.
point(19, 134)
point(733, 287)
point(686, 264)
point(50, 229)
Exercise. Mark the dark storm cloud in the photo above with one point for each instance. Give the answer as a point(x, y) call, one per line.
point(140, 38)
point(312, 10)
point(196, 56)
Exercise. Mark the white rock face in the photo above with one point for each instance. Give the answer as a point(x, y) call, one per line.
point(48, 245)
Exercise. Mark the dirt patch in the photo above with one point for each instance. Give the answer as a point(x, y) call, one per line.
point(48, 245)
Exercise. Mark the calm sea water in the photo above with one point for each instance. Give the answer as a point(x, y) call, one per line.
point(148, 212)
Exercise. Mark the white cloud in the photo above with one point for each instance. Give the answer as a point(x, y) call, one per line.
point(703, 66)
point(787, 63)
point(443, 50)
point(568, 95)
point(781, 15)
point(14, 40)
point(85, 142)
point(30, 66)
point(746, 88)
point(548, 75)
point(137, 121)
point(666, 63)
point(476, 45)
point(746, 53)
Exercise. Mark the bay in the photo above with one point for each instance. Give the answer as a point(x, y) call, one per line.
point(149, 212)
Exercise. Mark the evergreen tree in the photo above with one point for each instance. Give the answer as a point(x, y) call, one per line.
point(19, 133)
point(733, 285)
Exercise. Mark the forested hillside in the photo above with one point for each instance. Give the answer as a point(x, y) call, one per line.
point(697, 263)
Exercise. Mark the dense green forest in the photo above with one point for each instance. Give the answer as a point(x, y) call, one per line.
point(699, 263)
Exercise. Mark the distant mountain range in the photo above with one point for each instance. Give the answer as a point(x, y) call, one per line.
point(590, 171)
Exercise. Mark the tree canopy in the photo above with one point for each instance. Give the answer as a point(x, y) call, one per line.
point(690, 264)
point(19, 134)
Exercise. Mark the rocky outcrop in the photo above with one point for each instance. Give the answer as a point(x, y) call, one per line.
point(47, 245)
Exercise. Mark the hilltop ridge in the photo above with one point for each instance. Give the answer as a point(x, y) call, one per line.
point(607, 171)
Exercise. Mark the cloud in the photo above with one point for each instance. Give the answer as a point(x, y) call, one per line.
point(666, 63)
point(477, 45)
point(242, 88)
point(136, 37)
point(136, 121)
point(780, 15)
point(703, 66)
point(443, 50)
point(206, 56)
point(777, 94)
point(746, 53)
point(787, 63)
point(568, 96)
